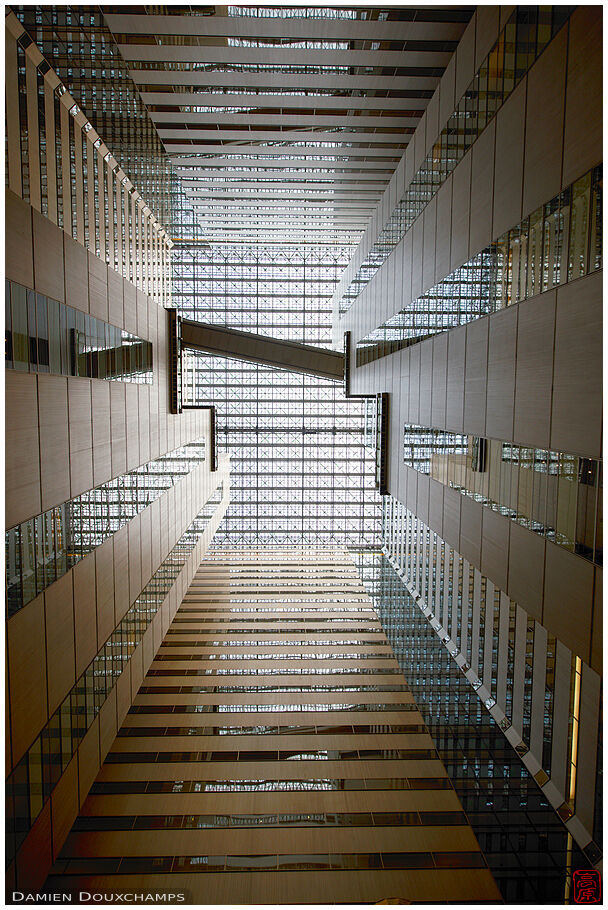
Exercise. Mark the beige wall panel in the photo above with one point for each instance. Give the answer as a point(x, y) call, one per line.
point(455, 379)
point(428, 259)
point(76, 274)
point(19, 250)
point(88, 760)
point(60, 649)
point(35, 857)
point(85, 612)
point(509, 161)
point(476, 374)
point(22, 466)
point(465, 59)
point(436, 506)
point(48, 257)
point(447, 87)
point(141, 312)
point(27, 675)
point(104, 585)
point(118, 427)
point(545, 124)
point(81, 434)
point(500, 392)
point(444, 230)
point(98, 288)
point(133, 459)
point(54, 439)
point(470, 530)
point(102, 437)
point(452, 501)
point(146, 546)
point(534, 374)
point(495, 547)
point(419, 142)
point(135, 581)
point(123, 694)
point(115, 298)
point(568, 602)
point(107, 724)
point(486, 32)
point(64, 805)
point(438, 396)
point(143, 414)
point(426, 379)
point(130, 301)
point(577, 371)
point(432, 121)
point(137, 672)
point(417, 230)
point(121, 572)
point(526, 569)
point(482, 184)
point(414, 385)
point(422, 511)
point(461, 202)
point(583, 121)
point(595, 659)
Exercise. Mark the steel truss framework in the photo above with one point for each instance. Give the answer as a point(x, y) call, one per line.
point(300, 473)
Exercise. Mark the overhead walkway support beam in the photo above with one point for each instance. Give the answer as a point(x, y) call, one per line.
point(272, 352)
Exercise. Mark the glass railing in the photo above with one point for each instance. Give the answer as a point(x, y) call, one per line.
point(554, 494)
point(42, 549)
point(31, 783)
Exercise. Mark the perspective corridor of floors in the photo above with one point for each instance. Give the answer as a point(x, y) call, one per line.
point(274, 754)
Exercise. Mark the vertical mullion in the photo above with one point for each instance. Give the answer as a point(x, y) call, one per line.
point(33, 143)
point(110, 197)
point(13, 128)
point(66, 179)
point(51, 160)
point(78, 183)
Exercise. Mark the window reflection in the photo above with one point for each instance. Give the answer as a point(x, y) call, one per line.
point(43, 335)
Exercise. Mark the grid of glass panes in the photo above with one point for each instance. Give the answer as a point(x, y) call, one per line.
point(31, 782)
point(559, 242)
point(299, 468)
point(300, 472)
point(524, 37)
point(42, 549)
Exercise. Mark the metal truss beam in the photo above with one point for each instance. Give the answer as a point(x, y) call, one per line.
point(300, 358)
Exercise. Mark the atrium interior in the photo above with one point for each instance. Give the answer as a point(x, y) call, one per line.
point(303, 416)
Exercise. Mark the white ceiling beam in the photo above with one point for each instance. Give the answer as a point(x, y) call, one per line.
point(279, 189)
point(339, 180)
point(282, 56)
point(271, 151)
point(301, 163)
point(284, 80)
point(312, 102)
point(285, 27)
point(346, 135)
point(303, 118)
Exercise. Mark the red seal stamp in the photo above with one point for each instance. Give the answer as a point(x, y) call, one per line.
point(587, 886)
